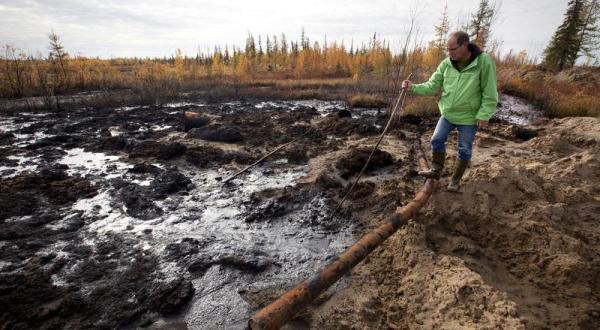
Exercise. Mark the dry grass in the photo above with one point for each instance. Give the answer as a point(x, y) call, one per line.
point(568, 93)
point(367, 101)
point(370, 78)
point(557, 99)
point(421, 105)
point(309, 83)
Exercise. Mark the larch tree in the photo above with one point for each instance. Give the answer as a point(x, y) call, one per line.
point(58, 57)
point(436, 51)
point(179, 64)
point(12, 72)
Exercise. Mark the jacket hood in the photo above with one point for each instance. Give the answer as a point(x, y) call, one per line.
point(475, 51)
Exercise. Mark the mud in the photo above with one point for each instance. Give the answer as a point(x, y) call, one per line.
point(117, 218)
point(353, 163)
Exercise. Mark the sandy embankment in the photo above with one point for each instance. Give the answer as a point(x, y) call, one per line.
point(518, 248)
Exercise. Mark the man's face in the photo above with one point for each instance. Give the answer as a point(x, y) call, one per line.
point(455, 51)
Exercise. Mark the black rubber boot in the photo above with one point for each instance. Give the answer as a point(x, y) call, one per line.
point(437, 165)
point(458, 174)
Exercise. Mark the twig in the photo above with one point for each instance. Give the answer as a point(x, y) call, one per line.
point(265, 157)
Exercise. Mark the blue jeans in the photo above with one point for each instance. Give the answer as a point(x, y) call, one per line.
point(466, 136)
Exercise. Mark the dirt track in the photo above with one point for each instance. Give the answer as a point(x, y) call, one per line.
point(144, 234)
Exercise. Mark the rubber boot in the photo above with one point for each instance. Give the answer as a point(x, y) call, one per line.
point(437, 165)
point(458, 174)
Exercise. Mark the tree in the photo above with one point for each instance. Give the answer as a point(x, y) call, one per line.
point(242, 68)
point(226, 57)
point(480, 26)
point(57, 52)
point(590, 34)
point(58, 57)
point(260, 49)
point(12, 72)
point(564, 47)
point(284, 46)
point(442, 29)
point(436, 50)
point(250, 49)
point(179, 62)
point(269, 54)
point(217, 64)
point(304, 42)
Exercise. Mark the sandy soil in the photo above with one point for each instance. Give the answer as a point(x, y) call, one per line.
point(518, 247)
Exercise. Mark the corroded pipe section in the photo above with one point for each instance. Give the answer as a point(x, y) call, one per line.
point(294, 301)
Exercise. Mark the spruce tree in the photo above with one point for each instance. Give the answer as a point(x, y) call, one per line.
point(481, 23)
point(284, 46)
point(563, 49)
point(260, 49)
point(590, 34)
point(250, 49)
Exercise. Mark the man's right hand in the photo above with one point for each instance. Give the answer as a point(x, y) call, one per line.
point(406, 84)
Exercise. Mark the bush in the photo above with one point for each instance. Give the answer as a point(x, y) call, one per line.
point(557, 99)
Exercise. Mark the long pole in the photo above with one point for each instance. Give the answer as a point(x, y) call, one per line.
point(295, 301)
point(400, 101)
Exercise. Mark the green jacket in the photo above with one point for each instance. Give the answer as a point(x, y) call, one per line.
point(467, 95)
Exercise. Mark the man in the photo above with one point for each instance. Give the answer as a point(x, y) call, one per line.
point(467, 79)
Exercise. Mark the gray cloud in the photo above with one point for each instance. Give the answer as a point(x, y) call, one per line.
point(156, 28)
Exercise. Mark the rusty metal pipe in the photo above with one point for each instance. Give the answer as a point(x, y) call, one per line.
point(294, 301)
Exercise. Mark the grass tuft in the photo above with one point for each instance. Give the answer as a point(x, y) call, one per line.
point(367, 101)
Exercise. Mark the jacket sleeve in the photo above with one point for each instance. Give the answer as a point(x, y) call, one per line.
point(489, 92)
point(433, 85)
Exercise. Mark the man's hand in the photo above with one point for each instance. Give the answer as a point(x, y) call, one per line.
point(406, 84)
point(482, 124)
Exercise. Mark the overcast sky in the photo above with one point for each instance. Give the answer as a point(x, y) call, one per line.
point(110, 28)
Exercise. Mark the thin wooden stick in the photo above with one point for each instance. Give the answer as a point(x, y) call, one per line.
point(400, 101)
point(264, 157)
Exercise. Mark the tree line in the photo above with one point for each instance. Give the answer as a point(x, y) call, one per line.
point(274, 57)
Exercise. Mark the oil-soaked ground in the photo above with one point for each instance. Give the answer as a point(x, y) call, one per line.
point(118, 218)
point(106, 222)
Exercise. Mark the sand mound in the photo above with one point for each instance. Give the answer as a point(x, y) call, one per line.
point(519, 247)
